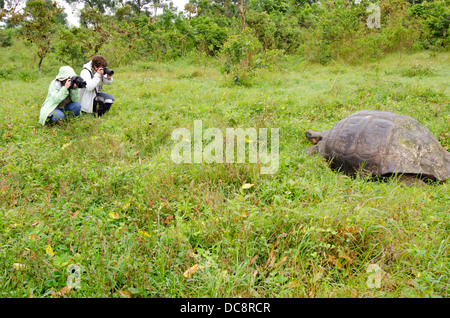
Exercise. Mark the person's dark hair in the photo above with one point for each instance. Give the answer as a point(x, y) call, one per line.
point(99, 61)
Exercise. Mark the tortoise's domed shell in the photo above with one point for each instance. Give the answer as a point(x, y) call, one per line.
point(382, 143)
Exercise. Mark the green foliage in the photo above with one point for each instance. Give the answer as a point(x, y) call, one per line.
point(323, 32)
point(163, 44)
point(275, 30)
point(264, 28)
point(125, 43)
point(40, 22)
point(215, 8)
point(338, 31)
point(138, 6)
point(70, 49)
point(269, 6)
point(238, 54)
point(208, 35)
point(96, 31)
point(420, 70)
point(6, 37)
point(435, 16)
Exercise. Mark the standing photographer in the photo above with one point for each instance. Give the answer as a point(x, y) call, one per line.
point(96, 73)
point(62, 97)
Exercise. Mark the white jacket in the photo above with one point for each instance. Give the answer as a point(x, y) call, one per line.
point(93, 83)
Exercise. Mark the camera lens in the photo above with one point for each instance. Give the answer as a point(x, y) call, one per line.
point(108, 71)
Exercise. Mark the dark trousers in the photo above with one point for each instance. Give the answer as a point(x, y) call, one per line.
point(105, 105)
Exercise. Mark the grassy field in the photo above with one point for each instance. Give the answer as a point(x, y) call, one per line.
point(104, 194)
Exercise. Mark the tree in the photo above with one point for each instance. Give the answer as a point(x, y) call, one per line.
point(96, 32)
point(138, 6)
point(10, 12)
point(158, 4)
point(242, 14)
point(39, 22)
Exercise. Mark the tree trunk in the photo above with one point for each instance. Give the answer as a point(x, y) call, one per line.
point(40, 63)
point(242, 14)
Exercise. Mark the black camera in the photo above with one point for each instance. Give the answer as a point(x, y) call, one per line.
point(81, 83)
point(108, 71)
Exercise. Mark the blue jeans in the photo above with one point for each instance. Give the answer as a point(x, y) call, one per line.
point(73, 107)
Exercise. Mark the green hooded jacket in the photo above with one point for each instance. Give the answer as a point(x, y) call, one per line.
point(57, 93)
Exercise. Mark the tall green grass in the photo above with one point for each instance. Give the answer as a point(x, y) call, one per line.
point(103, 193)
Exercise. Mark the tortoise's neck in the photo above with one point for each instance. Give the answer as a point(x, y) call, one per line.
point(323, 141)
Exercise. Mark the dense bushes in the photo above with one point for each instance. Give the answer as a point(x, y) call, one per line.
point(208, 35)
point(341, 32)
point(320, 32)
point(6, 37)
point(435, 20)
point(332, 30)
point(238, 53)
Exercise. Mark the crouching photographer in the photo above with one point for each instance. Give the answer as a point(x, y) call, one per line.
point(92, 99)
point(63, 96)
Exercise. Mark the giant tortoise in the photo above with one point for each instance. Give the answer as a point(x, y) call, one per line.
point(382, 143)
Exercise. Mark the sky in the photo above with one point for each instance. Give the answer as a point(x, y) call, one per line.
point(72, 11)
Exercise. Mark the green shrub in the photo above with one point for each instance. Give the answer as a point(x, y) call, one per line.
point(68, 48)
point(435, 18)
point(208, 35)
point(419, 69)
point(238, 54)
point(6, 72)
point(6, 37)
point(338, 30)
point(264, 28)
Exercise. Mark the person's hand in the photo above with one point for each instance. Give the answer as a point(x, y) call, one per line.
point(100, 71)
point(67, 84)
point(109, 76)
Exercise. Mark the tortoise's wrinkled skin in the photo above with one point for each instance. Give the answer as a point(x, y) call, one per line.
point(382, 143)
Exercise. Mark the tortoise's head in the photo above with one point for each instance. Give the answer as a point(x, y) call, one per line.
point(313, 137)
